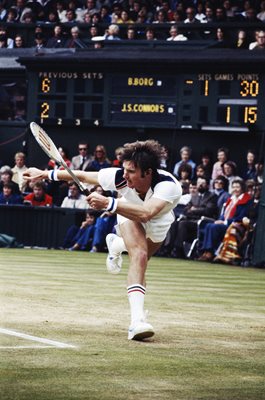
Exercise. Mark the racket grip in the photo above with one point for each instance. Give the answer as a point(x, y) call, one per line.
point(86, 192)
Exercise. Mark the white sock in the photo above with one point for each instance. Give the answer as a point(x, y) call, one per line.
point(136, 295)
point(118, 246)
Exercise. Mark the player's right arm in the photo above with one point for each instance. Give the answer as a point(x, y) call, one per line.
point(35, 174)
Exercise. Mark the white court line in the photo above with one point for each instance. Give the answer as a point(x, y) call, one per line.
point(37, 339)
point(26, 347)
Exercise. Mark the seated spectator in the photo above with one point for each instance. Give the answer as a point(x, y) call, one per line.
point(175, 35)
point(113, 32)
point(75, 41)
point(255, 42)
point(150, 34)
point(81, 238)
point(118, 153)
point(100, 159)
point(261, 13)
point(3, 11)
point(250, 169)
point(105, 16)
point(65, 156)
point(236, 207)
point(222, 156)
point(230, 173)
point(220, 188)
point(202, 203)
point(7, 196)
point(38, 197)
point(185, 154)
point(164, 160)
point(124, 18)
point(5, 40)
point(11, 16)
point(18, 169)
point(131, 33)
point(74, 199)
point(206, 162)
point(83, 160)
point(19, 42)
point(185, 173)
point(71, 17)
point(39, 41)
point(200, 171)
point(259, 172)
point(57, 40)
point(61, 11)
point(260, 41)
point(6, 175)
point(242, 41)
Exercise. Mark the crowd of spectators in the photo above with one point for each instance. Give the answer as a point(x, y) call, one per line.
point(75, 22)
point(218, 208)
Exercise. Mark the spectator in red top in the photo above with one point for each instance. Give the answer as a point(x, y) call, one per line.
point(38, 197)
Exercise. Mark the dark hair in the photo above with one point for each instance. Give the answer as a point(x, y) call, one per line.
point(224, 180)
point(145, 155)
point(231, 164)
point(185, 167)
point(241, 183)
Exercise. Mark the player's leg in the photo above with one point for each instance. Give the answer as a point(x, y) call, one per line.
point(136, 244)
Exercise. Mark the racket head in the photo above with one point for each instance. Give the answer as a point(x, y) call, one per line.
point(45, 142)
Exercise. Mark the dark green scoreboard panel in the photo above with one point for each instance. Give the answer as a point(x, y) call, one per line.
point(200, 100)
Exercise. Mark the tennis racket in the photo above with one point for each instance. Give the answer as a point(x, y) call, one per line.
point(52, 152)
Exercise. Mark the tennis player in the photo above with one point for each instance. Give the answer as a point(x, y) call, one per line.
point(144, 207)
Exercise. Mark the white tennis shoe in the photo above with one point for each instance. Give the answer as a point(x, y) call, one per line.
point(140, 331)
point(114, 261)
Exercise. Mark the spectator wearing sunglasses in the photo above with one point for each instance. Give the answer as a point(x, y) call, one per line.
point(83, 160)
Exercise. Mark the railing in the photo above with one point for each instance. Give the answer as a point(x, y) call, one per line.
point(38, 226)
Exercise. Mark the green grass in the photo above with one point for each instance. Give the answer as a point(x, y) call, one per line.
point(209, 322)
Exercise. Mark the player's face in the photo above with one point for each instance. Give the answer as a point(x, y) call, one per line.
point(133, 175)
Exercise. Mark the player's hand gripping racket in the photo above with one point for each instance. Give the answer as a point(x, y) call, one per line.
point(52, 152)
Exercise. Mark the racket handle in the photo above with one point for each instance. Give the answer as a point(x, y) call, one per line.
point(86, 192)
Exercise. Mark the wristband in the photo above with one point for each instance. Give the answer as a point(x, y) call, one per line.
point(53, 175)
point(112, 206)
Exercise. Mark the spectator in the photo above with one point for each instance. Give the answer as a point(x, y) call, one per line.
point(100, 159)
point(260, 41)
point(185, 154)
point(83, 160)
point(241, 40)
point(236, 207)
point(261, 14)
point(185, 173)
point(11, 16)
point(7, 196)
point(18, 169)
point(118, 154)
point(71, 16)
point(3, 11)
point(74, 199)
point(250, 169)
point(75, 41)
point(222, 156)
point(259, 172)
point(175, 35)
point(81, 238)
point(206, 162)
point(229, 171)
point(5, 39)
point(38, 197)
point(58, 39)
point(61, 11)
point(124, 18)
point(220, 188)
point(150, 34)
point(93, 32)
point(105, 16)
point(254, 44)
point(6, 175)
point(202, 203)
point(113, 32)
point(19, 42)
point(39, 42)
point(164, 160)
point(131, 33)
point(65, 156)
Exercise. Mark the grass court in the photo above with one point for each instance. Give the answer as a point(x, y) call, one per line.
point(209, 322)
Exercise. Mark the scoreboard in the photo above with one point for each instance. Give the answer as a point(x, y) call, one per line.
point(201, 97)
